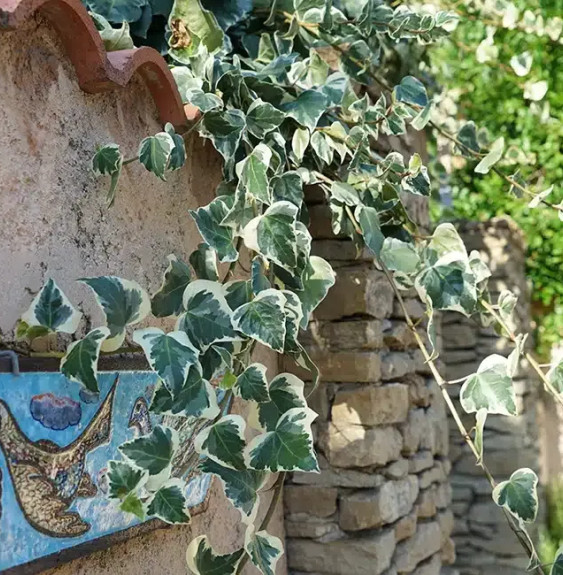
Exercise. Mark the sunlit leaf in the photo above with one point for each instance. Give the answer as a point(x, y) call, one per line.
point(152, 452)
point(519, 495)
point(169, 503)
point(264, 550)
point(202, 560)
point(224, 441)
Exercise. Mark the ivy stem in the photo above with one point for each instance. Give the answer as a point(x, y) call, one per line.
point(233, 264)
point(129, 161)
point(60, 354)
point(278, 488)
point(535, 365)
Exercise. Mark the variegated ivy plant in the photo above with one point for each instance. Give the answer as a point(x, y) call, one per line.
point(289, 94)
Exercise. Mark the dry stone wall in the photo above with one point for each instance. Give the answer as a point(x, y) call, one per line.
point(484, 543)
point(381, 504)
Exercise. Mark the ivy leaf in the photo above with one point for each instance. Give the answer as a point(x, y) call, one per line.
point(263, 319)
point(307, 109)
point(154, 153)
point(467, 135)
point(202, 560)
point(240, 487)
point(506, 304)
point(289, 447)
point(152, 452)
point(371, 228)
point(273, 234)
point(169, 504)
point(203, 100)
point(318, 278)
point(108, 160)
point(117, 38)
point(224, 128)
point(204, 262)
point(170, 355)
point(288, 187)
point(80, 361)
point(118, 11)
point(300, 142)
point(262, 117)
point(224, 441)
point(285, 392)
point(253, 174)
point(293, 317)
point(178, 153)
point(208, 220)
point(555, 376)
point(258, 280)
point(480, 418)
point(208, 316)
point(519, 495)
point(252, 385)
point(411, 91)
point(399, 256)
point(490, 388)
point(557, 566)
point(263, 549)
point(167, 300)
point(123, 302)
point(345, 193)
point(494, 155)
point(522, 63)
point(132, 504)
point(123, 479)
point(238, 293)
point(196, 398)
point(540, 197)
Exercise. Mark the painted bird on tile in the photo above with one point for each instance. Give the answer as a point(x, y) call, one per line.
point(47, 478)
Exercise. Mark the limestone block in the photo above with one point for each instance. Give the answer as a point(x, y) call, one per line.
point(430, 567)
point(370, 555)
point(398, 336)
point(416, 430)
point(357, 291)
point(419, 390)
point(356, 446)
point(425, 543)
point(459, 336)
point(447, 554)
point(299, 527)
point(371, 405)
point(396, 470)
point(310, 499)
point(426, 504)
point(369, 509)
point(357, 334)
point(405, 527)
point(420, 461)
point(414, 307)
point(395, 365)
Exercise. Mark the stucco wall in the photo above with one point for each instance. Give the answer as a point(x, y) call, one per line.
point(54, 223)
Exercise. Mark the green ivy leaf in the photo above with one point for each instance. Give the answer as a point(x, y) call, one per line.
point(490, 388)
point(307, 108)
point(345, 193)
point(411, 91)
point(519, 495)
point(224, 128)
point(494, 155)
point(170, 355)
point(154, 153)
point(208, 220)
point(258, 280)
point(289, 447)
point(263, 549)
point(80, 361)
point(252, 385)
point(557, 566)
point(132, 504)
point(169, 504)
point(118, 11)
point(202, 560)
point(273, 234)
point(399, 256)
point(123, 302)
point(224, 441)
point(241, 487)
point(318, 278)
point(288, 187)
point(178, 153)
point(293, 317)
point(263, 319)
point(152, 452)
point(208, 316)
point(167, 300)
point(368, 219)
point(285, 392)
point(52, 310)
point(253, 174)
point(262, 118)
point(204, 262)
point(238, 293)
point(123, 479)
point(108, 160)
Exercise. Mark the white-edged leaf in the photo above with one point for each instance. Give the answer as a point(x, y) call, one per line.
point(288, 187)
point(155, 151)
point(170, 355)
point(317, 278)
point(368, 219)
point(204, 262)
point(480, 418)
point(519, 495)
point(167, 300)
point(123, 478)
point(539, 197)
point(123, 302)
point(202, 560)
point(178, 153)
point(555, 376)
point(152, 452)
point(506, 304)
point(263, 549)
point(288, 447)
point(223, 442)
point(286, 392)
point(80, 361)
point(535, 91)
point(411, 91)
point(490, 388)
point(299, 142)
point(262, 117)
point(522, 63)
point(557, 565)
point(52, 310)
point(252, 385)
point(494, 155)
point(399, 256)
point(307, 108)
point(169, 503)
point(253, 174)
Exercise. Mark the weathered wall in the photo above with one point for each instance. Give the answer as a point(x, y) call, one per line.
point(485, 545)
point(54, 223)
point(381, 502)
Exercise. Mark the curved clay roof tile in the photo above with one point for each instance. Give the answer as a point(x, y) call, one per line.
point(96, 69)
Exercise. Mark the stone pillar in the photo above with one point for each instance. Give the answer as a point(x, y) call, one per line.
point(381, 502)
point(485, 545)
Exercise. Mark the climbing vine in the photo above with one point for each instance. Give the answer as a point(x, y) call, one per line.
point(290, 95)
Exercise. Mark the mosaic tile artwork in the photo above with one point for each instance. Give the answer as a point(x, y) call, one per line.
point(55, 442)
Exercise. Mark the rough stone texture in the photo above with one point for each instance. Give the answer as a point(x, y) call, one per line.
point(381, 434)
point(55, 224)
point(484, 543)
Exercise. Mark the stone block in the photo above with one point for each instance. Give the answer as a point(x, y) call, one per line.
point(395, 365)
point(405, 527)
point(357, 291)
point(369, 555)
point(414, 306)
point(396, 470)
point(347, 366)
point(398, 336)
point(370, 405)
point(415, 431)
point(425, 543)
point(321, 222)
point(420, 461)
point(310, 499)
point(339, 250)
point(447, 553)
point(356, 446)
point(426, 504)
point(309, 529)
point(356, 334)
point(430, 567)
point(419, 390)
point(370, 509)
point(459, 336)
